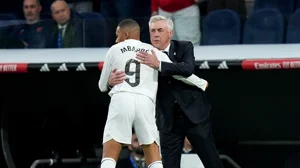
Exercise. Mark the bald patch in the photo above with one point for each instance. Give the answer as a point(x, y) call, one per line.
point(36, 2)
point(59, 3)
point(129, 24)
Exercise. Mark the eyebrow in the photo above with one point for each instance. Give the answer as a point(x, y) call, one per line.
point(157, 29)
point(27, 5)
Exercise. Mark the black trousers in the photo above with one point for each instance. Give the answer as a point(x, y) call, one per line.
point(199, 135)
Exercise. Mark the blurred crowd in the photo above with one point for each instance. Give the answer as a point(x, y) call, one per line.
point(92, 23)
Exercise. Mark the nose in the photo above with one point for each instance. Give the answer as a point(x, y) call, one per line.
point(29, 11)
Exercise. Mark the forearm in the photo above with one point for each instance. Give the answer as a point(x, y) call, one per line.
point(184, 69)
point(103, 82)
point(193, 80)
point(103, 86)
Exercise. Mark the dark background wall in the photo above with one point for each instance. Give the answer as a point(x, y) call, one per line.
point(66, 111)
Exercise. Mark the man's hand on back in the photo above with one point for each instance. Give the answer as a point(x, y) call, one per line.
point(116, 77)
point(148, 59)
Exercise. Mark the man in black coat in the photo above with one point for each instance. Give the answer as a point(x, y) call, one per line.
point(67, 28)
point(181, 110)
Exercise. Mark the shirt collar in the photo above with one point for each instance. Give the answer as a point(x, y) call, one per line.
point(62, 26)
point(132, 41)
point(168, 48)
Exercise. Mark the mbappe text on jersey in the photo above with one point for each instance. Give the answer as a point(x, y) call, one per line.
point(132, 48)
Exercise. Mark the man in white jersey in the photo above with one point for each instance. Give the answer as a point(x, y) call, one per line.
point(132, 102)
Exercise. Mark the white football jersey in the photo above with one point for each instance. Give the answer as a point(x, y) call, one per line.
point(140, 78)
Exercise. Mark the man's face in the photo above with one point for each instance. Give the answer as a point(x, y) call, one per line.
point(31, 9)
point(135, 146)
point(160, 35)
point(120, 35)
point(60, 12)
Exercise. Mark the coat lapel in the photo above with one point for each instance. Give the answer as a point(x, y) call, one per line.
point(172, 52)
point(68, 37)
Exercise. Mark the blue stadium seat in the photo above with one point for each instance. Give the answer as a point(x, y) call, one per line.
point(8, 25)
point(95, 29)
point(8, 20)
point(221, 27)
point(7, 16)
point(286, 7)
point(293, 28)
point(265, 26)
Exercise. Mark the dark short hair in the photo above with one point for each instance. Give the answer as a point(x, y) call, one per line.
point(128, 23)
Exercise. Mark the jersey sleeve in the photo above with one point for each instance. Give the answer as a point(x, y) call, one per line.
point(106, 70)
point(192, 80)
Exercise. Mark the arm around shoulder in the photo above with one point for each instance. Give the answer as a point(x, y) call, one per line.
point(187, 66)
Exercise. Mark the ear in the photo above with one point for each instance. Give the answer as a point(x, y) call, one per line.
point(171, 33)
point(126, 34)
point(69, 11)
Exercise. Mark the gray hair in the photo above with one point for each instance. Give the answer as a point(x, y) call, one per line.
point(157, 18)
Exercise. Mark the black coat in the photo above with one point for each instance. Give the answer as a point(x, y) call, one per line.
point(191, 99)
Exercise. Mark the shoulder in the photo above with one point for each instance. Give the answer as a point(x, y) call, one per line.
point(148, 46)
point(46, 23)
point(182, 43)
point(75, 15)
point(118, 46)
point(110, 52)
point(23, 27)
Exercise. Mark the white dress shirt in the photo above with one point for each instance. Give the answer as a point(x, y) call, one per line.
point(63, 27)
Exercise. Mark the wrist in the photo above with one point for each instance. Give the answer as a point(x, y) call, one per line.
point(157, 65)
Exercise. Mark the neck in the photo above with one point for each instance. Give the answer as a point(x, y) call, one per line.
point(164, 47)
point(135, 38)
